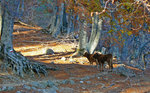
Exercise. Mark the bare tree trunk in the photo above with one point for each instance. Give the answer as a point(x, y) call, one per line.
point(16, 61)
point(95, 36)
point(70, 25)
point(7, 29)
point(0, 20)
point(58, 22)
point(82, 39)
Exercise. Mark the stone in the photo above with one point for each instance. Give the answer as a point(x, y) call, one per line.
point(4, 88)
point(18, 92)
point(83, 88)
point(72, 82)
point(49, 52)
point(50, 83)
point(85, 78)
point(81, 81)
point(39, 84)
point(34, 88)
point(70, 59)
point(35, 84)
point(26, 87)
point(50, 90)
point(88, 82)
point(43, 84)
point(66, 90)
point(63, 58)
point(122, 70)
point(65, 81)
point(10, 88)
point(68, 82)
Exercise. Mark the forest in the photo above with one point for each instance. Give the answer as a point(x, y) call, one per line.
point(74, 46)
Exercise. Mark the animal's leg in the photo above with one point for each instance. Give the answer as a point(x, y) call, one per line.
point(102, 66)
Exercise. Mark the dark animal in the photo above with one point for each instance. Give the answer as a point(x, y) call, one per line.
point(100, 58)
point(89, 57)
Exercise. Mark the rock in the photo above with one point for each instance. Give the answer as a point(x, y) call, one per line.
point(50, 83)
point(39, 84)
point(43, 84)
point(83, 88)
point(26, 87)
point(35, 84)
point(122, 70)
point(4, 88)
point(63, 58)
point(88, 82)
point(66, 90)
point(68, 82)
point(70, 59)
point(23, 81)
point(50, 90)
point(85, 78)
point(72, 82)
point(49, 52)
point(52, 62)
point(34, 88)
point(39, 90)
point(54, 87)
point(112, 84)
point(10, 88)
point(18, 92)
point(81, 81)
point(65, 81)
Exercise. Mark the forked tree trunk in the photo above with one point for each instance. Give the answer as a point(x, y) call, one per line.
point(95, 35)
point(90, 46)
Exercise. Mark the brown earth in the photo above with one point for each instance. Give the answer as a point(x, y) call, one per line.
point(32, 43)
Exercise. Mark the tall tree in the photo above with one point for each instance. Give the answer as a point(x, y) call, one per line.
point(18, 63)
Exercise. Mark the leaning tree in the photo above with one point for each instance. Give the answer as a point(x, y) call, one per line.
point(9, 10)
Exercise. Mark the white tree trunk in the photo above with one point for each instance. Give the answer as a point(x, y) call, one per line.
point(82, 39)
point(0, 20)
point(95, 34)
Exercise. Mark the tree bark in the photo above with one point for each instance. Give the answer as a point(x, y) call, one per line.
point(90, 46)
point(16, 61)
point(82, 39)
point(95, 35)
point(0, 20)
point(58, 24)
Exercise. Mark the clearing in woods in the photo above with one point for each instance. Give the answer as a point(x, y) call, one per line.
point(32, 43)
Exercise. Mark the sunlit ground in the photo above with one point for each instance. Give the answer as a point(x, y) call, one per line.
point(33, 44)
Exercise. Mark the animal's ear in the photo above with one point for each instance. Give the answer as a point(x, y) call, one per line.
point(94, 52)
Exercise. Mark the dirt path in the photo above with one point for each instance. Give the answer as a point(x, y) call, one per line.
point(33, 44)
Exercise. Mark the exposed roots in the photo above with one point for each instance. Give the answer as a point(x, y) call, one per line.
point(21, 65)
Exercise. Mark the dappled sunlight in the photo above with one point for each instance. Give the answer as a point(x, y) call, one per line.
point(23, 32)
point(33, 44)
point(20, 27)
